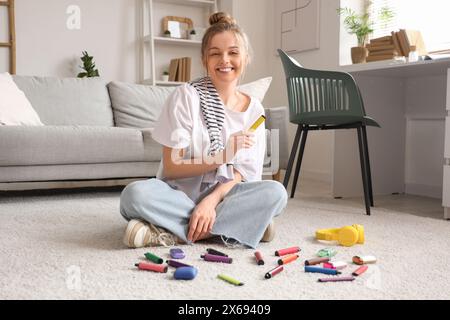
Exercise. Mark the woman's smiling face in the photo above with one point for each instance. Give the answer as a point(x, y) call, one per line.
point(225, 60)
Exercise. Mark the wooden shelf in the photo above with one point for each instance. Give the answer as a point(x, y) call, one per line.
point(168, 83)
point(196, 3)
point(163, 40)
point(399, 69)
point(162, 83)
point(156, 46)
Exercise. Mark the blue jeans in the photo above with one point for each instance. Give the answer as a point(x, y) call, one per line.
point(243, 215)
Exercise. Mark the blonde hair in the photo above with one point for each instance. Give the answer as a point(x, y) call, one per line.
point(221, 22)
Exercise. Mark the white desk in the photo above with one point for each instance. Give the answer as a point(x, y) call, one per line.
point(410, 153)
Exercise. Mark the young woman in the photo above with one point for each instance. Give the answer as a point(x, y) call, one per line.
point(209, 180)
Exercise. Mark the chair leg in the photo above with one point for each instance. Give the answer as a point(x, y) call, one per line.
point(369, 175)
point(299, 160)
point(363, 171)
point(292, 156)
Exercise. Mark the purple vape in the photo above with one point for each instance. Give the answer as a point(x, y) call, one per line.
point(214, 258)
point(176, 264)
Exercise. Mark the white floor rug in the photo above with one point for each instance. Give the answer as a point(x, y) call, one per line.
point(69, 246)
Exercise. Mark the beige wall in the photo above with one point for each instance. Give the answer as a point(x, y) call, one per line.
point(317, 161)
point(256, 17)
point(109, 32)
point(45, 46)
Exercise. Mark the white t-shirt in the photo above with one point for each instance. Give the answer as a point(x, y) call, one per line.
point(181, 126)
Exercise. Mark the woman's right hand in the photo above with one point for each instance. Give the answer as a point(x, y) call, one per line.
point(240, 140)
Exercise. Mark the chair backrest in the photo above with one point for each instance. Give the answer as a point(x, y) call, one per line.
point(316, 95)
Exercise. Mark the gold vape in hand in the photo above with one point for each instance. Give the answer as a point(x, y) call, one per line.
point(257, 123)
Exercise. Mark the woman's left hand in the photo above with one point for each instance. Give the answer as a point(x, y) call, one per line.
point(202, 219)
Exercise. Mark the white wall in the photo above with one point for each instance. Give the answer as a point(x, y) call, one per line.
point(109, 32)
point(347, 40)
point(317, 161)
point(251, 15)
point(45, 46)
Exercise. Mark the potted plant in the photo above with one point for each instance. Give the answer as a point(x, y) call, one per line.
point(165, 76)
point(362, 27)
point(167, 34)
point(88, 66)
point(192, 34)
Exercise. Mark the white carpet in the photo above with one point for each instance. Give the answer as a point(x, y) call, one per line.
point(68, 246)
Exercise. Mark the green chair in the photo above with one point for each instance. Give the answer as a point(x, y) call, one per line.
point(325, 100)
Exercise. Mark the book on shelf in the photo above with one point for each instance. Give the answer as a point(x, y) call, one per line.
point(380, 44)
point(383, 52)
point(381, 39)
point(380, 48)
point(404, 42)
point(180, 74)
point(188, 68)
point(380, 57)
point(415, 39)
point(173, 68)
point(397, 43)
point(180, 69)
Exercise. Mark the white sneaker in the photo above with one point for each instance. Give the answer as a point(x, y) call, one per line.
point(142, 234)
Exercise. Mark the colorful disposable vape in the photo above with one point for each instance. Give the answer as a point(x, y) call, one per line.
point(327, 252)
point(151, 267)
point(257, 123)
point(230, 280)
point(176, 264)
point(214, 258)
point(321, 270)
point(336, 279)
point(176, 253)
point(215, 252)
point(286, 251)
point(273, 272)
point(150, 256)
point(185, 273)
point(360, 270)
point(314, 261)
point(259, 258)
point(287, 259)
point(338, 265)
point(364, 259)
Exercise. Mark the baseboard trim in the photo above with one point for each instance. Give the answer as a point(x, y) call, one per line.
point(315, 175)
point(424, 190)
point(70, 184)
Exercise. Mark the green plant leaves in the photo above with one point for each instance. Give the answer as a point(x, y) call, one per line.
point(88, 66)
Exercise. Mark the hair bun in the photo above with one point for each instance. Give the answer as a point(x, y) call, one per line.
point(221, 17)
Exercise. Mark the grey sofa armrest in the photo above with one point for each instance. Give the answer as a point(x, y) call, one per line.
point(277, 118)
point(150, 145)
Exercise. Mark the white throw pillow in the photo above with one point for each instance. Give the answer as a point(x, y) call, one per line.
point(256, 88)
point(15, 109)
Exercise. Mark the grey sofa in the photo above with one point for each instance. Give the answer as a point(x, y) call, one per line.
point(95, 134)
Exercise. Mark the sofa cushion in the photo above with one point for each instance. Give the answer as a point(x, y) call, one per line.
point(257, 88)
point(68, 101)
point(136, 105)
point(15, 109)
point(74, 145)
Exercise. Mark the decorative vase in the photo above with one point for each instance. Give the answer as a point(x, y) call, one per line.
point(359, 54)
point(165, 77)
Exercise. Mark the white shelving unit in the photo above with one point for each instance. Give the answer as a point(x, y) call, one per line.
point(156, 50)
